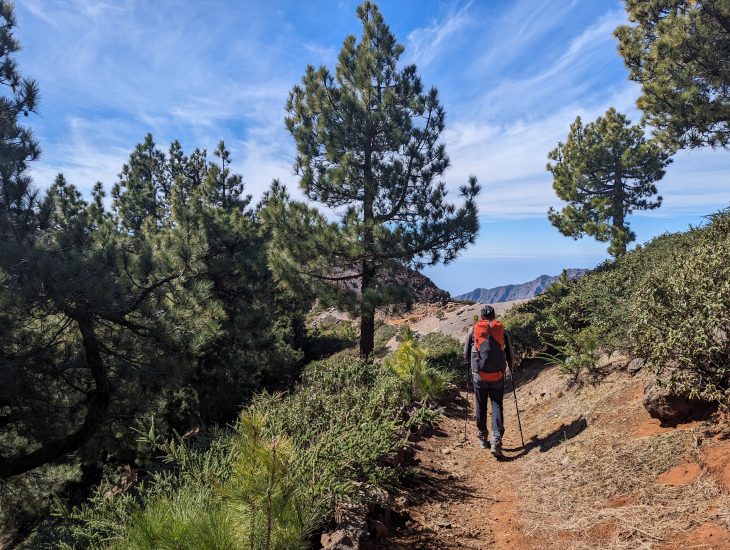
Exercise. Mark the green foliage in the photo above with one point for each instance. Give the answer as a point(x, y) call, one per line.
point(521, 322)
point(443, 352)
point(344, 417)
point(163, 305)
point(19, 97)
point(190, 520)
point(665, 301)
point(269, 481)
point(329, 336)
point(678, 50)
point(681, 317)
point(262, 491)
point(605, 171)
point(575, 353)
point(383, 334)
point(368, 146)
point(419, 380)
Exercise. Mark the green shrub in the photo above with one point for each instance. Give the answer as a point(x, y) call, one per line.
point(576, 354)
point(443, 352)
point(521, 322)
point(681, 317)
point(383, 334)
point(419, 380)
point(329, 336)
point(188, 520)
point(573, 321)
point(345, 419)
point(262, 493)
point(266, 483)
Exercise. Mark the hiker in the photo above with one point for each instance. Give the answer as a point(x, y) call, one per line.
point(489, 349)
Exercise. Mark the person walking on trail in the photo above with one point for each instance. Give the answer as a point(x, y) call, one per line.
point(489, 351)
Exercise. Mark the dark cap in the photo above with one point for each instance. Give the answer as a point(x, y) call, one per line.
point(488, 312)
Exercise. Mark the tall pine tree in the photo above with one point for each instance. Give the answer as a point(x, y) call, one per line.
point(368, 149)
point(679, 50)
point(605, 170)
point(18, 98)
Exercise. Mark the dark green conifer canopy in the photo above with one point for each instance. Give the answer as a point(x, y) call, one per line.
point(679, 50)
point(369, 150)
point(605, 170)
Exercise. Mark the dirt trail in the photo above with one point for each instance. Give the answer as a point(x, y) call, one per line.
point(462, 497)
point(596, 472)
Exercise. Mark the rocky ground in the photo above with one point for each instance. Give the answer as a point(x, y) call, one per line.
point(455, 319)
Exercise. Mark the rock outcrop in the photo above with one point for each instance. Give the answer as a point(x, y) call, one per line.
point(669, 408)
point(421, 288)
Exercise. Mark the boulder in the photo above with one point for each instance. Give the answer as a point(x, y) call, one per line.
point(351, 531)
point(635, 365)
point(669, 408)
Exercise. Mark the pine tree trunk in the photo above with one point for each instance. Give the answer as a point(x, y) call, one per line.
point(367, 314)
point(367, 309)
point(618, 214)
point(97, 404)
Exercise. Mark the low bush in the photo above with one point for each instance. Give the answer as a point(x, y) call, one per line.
point(667, 301)
point(443, 352)
point(420, 381)
point(329, 336)
point(267, 482)
point(681, 318)
point(383, 334)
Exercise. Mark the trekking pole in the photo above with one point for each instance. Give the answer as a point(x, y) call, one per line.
point(514, 392)
point(466, 399)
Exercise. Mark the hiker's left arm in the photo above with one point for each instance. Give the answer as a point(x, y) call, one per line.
point(510, 351)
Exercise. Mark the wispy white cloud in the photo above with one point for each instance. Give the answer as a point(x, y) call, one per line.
point(512, 76)
point(508, 34)
point(425, 43)
point(574, 74)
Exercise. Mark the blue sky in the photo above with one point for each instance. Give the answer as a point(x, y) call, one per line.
point(512, 75)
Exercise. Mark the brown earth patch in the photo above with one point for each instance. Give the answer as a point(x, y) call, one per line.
point(597, 472)
point(681, 474)
point(707, 536)
point(461, 497)
point(623, 500)
point(716, 459)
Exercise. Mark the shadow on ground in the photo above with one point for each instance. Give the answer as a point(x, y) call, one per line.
point(560, 435)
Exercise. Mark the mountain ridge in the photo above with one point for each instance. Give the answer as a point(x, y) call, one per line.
point(520, 291)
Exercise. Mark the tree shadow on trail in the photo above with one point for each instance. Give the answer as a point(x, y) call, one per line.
point(560, 435)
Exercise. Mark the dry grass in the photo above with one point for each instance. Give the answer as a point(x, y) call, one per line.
point(600, 489)
point(577, 479)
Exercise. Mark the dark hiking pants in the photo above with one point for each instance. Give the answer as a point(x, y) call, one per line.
point(494, 391)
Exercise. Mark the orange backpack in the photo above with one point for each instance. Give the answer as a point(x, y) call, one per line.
point(492, 358)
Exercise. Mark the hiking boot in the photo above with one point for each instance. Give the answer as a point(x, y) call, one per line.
point(497, 450)
point(484, 444)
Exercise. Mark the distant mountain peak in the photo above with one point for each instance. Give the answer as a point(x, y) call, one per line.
point(522, 291)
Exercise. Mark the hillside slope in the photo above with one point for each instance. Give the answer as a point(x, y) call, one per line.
point(596, 472)
point(521, 291)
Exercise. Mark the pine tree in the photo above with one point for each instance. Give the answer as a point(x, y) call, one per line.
point(143, 189)
point(368, 148)
point(605, 171)
point(19, 97)
point(679, 50)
